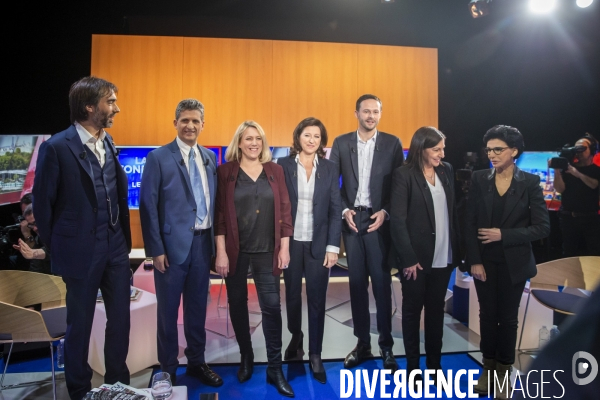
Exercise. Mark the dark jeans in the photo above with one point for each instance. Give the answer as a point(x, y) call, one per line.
point(499, 301)
point(189, 278)
point(110, 272)
point(317, 279)
point(367, 257)
point(267, 288)
point(580, 235)
point(429, 291)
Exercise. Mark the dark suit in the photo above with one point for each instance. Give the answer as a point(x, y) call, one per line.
point(307, 257)
point(413, 231)
point(168, 216)
point(89, 253)
point(265, 269)
point(524, 219)
point(367, 252)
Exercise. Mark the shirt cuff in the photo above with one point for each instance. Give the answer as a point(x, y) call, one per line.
point(332, 249)
point(387, 216)
point(344, 212)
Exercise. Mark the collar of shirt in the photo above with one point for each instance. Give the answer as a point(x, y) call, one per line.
point(373, 139)
point(87, 137)
point(185, 149)
point(315, 160)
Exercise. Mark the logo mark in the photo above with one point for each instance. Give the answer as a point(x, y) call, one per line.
point(582, 367)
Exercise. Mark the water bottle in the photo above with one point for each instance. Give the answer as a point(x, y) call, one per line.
point(60, 354)
point(544, 336)
point(554, 332)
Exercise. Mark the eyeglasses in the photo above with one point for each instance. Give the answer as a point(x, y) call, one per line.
point(497, 150)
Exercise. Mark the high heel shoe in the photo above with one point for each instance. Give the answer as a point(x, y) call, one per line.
point(316, 366)
point(246, 367)
point(294, 346)
point(275, 377)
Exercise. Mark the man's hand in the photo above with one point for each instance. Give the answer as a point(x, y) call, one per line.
point(489, 235)
point(27, 252)
point(379, 217)
point(478, 272)
point(571, 170)
point(349, 217)
point(412, 271)
point(25, 231)
point(161, 263)
point(330, 259)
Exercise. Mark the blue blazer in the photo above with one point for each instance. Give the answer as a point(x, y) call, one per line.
point(65, 202)
point(327, 203)
point(167, 205)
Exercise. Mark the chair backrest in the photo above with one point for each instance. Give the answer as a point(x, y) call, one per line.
point(24, 288)
point(573, 272)
point(18, 324)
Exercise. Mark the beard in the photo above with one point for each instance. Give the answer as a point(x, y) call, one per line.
point(102, 120)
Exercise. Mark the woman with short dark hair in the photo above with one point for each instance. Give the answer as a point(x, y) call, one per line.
point(506, 211)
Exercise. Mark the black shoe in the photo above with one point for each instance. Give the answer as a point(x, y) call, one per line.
point(316, 366)
point(389, 362)
point(205, 374)
point(246, 367)
point(357, 355)
point(276, 378)
point(294, 346)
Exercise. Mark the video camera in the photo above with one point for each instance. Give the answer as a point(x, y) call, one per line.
point(9, 235)
point(566, 156)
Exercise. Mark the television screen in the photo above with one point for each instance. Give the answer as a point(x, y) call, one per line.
point(18, 157)
point(133, 159)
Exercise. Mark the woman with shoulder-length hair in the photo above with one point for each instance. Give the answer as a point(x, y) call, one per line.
point(253, 229)
point(506, 211)
point(425, 248)
point(314, 189)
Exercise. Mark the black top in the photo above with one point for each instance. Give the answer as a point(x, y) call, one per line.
point(255, 212)
point(578, 196)
point(494, 251)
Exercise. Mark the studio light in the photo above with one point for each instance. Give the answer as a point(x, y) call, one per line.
point(542, 6)
point(584, 3)
point(479, 8)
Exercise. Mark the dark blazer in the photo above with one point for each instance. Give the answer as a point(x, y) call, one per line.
point(167, 205)
point(524, 220)
point(65, 202)
point(226, 218)
point(327, 206)
point(387, 157)
point(412, 217)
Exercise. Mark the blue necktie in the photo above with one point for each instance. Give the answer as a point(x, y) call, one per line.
point(196, 180)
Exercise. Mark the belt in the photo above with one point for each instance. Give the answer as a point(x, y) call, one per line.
point(363, 208)
point(201, 231)
point(579, 214)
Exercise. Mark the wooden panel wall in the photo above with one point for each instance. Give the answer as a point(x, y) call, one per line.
point(276, 83)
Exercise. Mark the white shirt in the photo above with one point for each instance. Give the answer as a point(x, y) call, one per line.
point(303, 227)
point(95, 145)
point(365, 160)
point(185, 151)
point(442, 255)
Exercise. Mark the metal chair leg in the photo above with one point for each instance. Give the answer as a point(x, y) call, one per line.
point(523, 328)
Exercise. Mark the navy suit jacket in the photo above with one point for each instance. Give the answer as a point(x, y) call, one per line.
point(387, 157)
point(327, 206)
point(167, 205)
point(65, 202)
point(525, 219)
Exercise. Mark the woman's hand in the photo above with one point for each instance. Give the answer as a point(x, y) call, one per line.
point(330, 259)
point(283, 257)
point(222, 263)
point(489, 235)
point(412, 271)
point(478, 272)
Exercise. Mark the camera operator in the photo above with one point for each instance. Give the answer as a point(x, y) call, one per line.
point(31, 247)
point(578, 215)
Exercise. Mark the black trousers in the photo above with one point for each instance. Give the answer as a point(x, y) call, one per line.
point(427, 291)
point(317, 279)
point(367, 257)
point(499, 300)
point(189, 278)
point(580, 235)
point(267, 288)
point(110, 273)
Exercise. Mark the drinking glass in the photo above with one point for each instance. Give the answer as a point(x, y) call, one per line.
point(161, 386)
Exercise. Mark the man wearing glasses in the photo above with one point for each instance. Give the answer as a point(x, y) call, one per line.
point(31, 246)
point(578, 215)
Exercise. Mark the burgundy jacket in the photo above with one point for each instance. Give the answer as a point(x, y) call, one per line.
point(226, 218)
